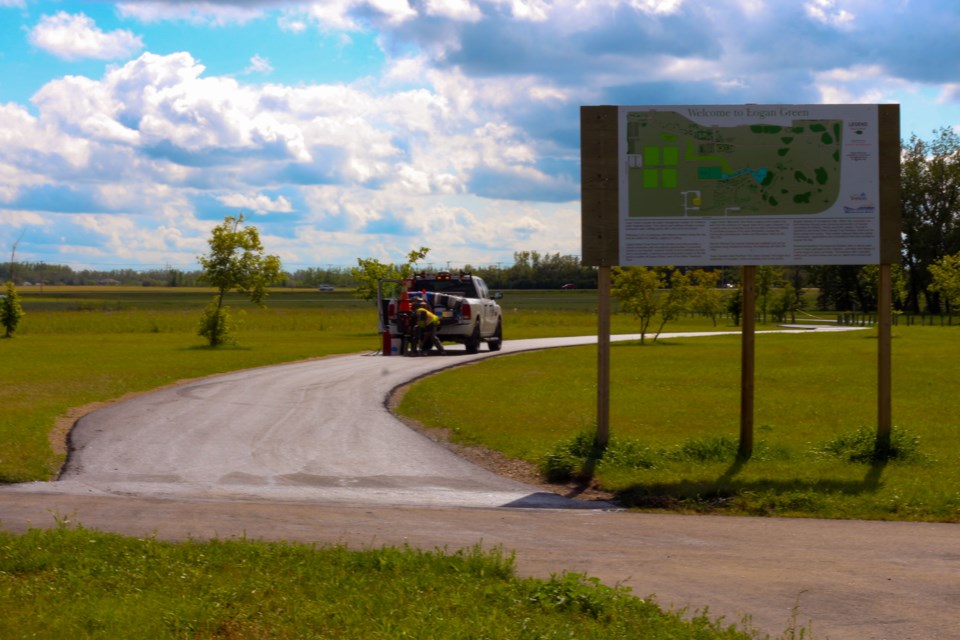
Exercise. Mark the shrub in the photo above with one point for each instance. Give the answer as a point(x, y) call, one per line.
point(627, 453)
point(708, 449)
point(576, 457)
point(861, 446)
point(570, 458)
point(10, 310)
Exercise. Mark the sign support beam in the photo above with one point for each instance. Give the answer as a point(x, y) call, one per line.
point(603, 357)
point(884, 366)
point(747, 358)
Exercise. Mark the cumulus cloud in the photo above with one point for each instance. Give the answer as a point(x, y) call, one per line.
point(454, 9)
point(73, 37)
point(257, 203)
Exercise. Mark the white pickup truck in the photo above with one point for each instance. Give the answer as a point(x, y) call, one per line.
point(468, 313)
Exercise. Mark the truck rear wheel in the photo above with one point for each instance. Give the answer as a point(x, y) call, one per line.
point(496, 341)
point(473, 343)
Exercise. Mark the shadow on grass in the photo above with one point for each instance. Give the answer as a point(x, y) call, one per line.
point(584, 480)
point(220, 347)
point(762, 495)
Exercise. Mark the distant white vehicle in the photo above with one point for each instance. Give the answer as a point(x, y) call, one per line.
point(326, 287)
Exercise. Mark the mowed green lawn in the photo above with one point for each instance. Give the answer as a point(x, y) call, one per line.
point(675, 421)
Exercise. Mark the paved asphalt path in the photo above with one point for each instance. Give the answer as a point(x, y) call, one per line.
point(309, 452)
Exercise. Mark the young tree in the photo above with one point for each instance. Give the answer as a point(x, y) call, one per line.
point(768, 277)
point(735, 305)
point(369, 272)
point(10, 310)
point(637, 289)
point(236, 261)
point(675, 301)
point(706, 298)
point(945, 275)
point(786, 303)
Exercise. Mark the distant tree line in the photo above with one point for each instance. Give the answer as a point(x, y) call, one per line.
point(534, 270)
point(41, 273)
point(530, 270)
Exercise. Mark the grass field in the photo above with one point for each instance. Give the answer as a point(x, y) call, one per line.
point(675, 423)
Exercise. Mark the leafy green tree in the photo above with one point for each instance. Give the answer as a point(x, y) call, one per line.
point(675, 301)
point(945, 275)
point(10, 310)
point(236, 261)
point(786, 303)
point(845, 287)
point(930, 202)
point(735, 305)
point(638, 291)
point(369, 272)
point(768, 277)
point(705, 297)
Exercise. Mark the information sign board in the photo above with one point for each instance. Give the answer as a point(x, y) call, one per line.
point(727, 185)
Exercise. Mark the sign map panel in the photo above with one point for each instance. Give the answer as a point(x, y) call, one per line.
point(749, 184)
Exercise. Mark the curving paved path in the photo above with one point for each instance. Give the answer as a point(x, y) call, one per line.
point(309, 452)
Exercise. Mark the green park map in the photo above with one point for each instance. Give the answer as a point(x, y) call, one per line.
point(676, 167)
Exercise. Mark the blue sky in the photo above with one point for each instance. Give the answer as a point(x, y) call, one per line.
point(367, 128)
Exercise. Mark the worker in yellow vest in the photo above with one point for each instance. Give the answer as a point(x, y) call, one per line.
point(428, 323)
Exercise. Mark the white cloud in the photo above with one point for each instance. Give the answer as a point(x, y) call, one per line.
point(461, 10)
point(528, 10)
point(333, 14)
point(257, 203)
point(397, 11)
point(828, 13)
point(861, 84)
point(340, 14)
point(73, 37)
point(657, 7)
point(259, 64)
point(21, 219)
point(210, 13)
point(293, 23)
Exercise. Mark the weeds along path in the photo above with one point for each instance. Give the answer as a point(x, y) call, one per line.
point(309, 452)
